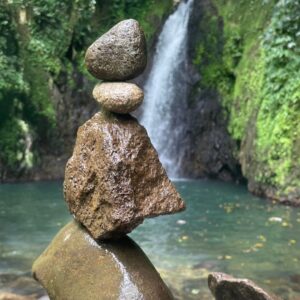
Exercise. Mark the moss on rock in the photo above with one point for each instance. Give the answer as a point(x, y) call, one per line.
point(250, 56)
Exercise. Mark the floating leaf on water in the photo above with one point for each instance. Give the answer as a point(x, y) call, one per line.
point(259, 245)
point(195, 291)
point(262, 238)
point(224, 257)
point(292, 242)
point(185, 237)
point(275, 219)
point(181, 222)
point(285, 224)
point(248, 250)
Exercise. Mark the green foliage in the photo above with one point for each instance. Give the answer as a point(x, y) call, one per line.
point(148, 12)
point(13, 144)
point(12, 84)
point(208, 57)
point(37, 35)
point(242, 58)
point(278, 118)
point(257, 74)
point(41, 40)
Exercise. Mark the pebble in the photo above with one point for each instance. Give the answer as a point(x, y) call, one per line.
point(118, 97)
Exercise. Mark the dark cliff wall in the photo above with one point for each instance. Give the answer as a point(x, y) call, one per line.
point(211, 149)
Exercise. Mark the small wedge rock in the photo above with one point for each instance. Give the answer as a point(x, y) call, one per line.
point(75, 267)
point(120, 54)
point(118, 97)
point(114, 178)
point(226, 287)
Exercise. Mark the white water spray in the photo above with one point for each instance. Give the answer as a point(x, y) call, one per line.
point(165, 90)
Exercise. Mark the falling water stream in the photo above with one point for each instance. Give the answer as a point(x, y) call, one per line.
point(166, 91)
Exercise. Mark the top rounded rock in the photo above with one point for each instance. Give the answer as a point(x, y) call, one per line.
point(119, 54)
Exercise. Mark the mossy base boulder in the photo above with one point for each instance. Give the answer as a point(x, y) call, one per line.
point(76, 267)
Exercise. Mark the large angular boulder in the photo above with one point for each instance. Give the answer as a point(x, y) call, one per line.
point(119, 54)
point(75, 267)
point(114, 179)
point(226, 287)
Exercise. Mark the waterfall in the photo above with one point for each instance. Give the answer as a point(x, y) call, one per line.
point(166, 90)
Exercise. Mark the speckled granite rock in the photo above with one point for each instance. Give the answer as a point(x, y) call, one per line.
point(118, 97)
point(114, 179)
point(120, 54)
point(75, 267)
point(226, 287)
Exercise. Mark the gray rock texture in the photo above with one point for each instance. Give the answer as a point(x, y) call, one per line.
point(119, 54)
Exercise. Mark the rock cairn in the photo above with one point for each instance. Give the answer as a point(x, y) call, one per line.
point(113, 181)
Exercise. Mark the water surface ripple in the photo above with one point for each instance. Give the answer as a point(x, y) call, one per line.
point(223, 229)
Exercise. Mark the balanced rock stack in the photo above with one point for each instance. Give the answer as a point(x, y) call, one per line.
point(113, 181)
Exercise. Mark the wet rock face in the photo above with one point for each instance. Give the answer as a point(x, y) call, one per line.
point(75, 267)
point(226, 287)
point(119, 54)
point(118, 97)
point(114, 179)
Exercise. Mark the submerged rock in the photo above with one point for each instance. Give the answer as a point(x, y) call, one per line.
point(119, 54)
point(13, 284)
point(114, 179)
point(75, 267)
point(226, 287)
point(118, 97)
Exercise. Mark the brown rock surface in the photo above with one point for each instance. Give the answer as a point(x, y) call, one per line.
point(114, 179)
point(11, 296)
point(118, 97)
point(119, 54)
point(226, 287)
point(75, 267)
